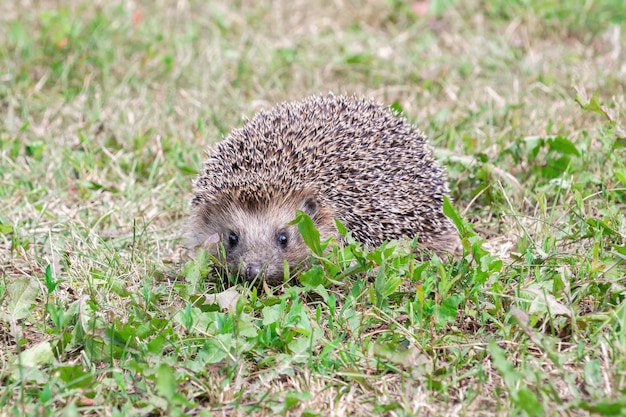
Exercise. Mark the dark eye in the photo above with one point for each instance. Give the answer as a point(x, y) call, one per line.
point(282, 239)
point(233, 239)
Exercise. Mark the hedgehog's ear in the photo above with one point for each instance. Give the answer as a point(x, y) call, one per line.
point(205, 213)
point(201, 230)
point(310, 206)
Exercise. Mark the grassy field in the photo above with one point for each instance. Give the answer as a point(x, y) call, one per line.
point(106, 107)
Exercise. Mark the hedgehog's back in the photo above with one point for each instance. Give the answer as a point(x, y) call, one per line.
point(365, 163)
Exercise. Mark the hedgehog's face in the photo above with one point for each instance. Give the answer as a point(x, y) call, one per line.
point(259, 246)
point(259, 242)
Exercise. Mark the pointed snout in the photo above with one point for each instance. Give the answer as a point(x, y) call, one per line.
point(253, 270)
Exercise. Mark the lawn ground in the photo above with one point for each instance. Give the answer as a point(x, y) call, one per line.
point(106, 107)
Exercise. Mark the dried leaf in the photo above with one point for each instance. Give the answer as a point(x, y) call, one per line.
point(543, 300)
point(226, 300)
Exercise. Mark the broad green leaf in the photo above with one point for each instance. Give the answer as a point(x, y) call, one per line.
point(166, 382)
point(528, 401)
point(39, 354)
point(450, 211)
point(309, 233)
point(562, 145)
point(271, 314)
point(621, 175)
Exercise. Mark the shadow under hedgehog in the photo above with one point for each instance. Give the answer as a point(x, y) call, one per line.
point(330, 156)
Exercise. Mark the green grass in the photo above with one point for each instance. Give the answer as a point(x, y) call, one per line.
point(104, 115)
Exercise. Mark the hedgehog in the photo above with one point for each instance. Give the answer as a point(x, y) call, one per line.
point(332, 157)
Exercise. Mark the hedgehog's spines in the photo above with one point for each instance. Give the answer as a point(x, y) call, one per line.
point(364, 162)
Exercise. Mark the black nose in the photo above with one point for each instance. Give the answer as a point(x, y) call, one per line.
point(252, 271)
